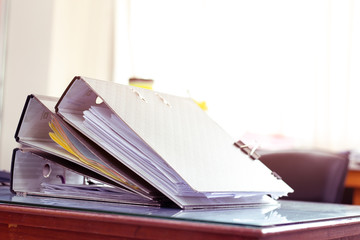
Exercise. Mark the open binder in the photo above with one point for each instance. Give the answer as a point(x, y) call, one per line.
point(40, 173)
point(161, 147)
point(33, 131)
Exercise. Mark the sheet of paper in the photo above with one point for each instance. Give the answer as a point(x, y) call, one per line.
point(64, 138)
point(122, 141)
point(95, 192)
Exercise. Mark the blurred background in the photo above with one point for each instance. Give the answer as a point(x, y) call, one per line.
point(283, 74)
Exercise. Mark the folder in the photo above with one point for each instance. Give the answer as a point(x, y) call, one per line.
point(39, 173)
point(34, 131)
point(170, 143)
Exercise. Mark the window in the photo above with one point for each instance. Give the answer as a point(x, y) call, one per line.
point(265, 68)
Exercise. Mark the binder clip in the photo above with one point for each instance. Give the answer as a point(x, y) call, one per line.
point(247, 149)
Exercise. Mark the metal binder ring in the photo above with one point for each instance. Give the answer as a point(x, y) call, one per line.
point(138, 94)
point(163, 100)
point(99, 100)
point(47, 170)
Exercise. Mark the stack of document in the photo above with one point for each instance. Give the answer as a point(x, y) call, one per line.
point(134, 145)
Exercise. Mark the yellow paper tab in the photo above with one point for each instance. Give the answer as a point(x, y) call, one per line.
point(59, 136)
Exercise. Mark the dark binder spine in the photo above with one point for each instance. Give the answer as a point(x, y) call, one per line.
point(12, 169)
point(29, 97)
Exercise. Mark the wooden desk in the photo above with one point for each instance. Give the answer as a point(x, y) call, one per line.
point(49, 218)
point(38, 223)
point(29, 223)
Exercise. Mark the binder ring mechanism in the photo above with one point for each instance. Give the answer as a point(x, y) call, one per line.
point(138, 94)
point(163, 100)
point(253, 154)
point(247, 149)
point(47, 170)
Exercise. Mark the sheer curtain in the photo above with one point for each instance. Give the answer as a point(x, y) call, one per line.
point(264, 68)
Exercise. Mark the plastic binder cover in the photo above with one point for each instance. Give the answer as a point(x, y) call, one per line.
point(168, 141)
point(38, 122)
point(38, 173)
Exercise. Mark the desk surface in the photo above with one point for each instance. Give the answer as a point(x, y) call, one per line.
point(44, 218)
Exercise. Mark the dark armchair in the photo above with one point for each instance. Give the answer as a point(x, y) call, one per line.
point(314, 175)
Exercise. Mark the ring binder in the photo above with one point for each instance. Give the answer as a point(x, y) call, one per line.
point(246, 149)
point(146, 153)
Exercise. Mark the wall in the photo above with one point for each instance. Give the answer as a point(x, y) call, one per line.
point(48, 43)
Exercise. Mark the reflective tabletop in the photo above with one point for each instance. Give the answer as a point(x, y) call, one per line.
point(283, 213)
